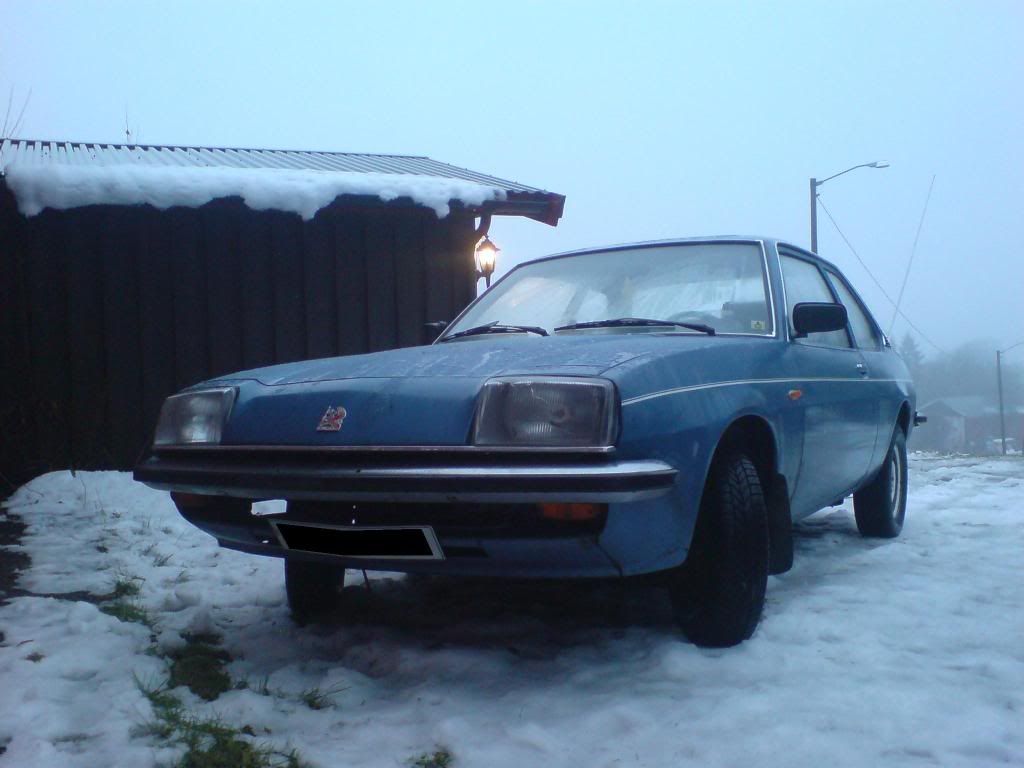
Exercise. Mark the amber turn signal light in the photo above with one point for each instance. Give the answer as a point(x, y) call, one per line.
point(576, 512)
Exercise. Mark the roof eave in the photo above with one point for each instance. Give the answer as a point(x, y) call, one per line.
point(544, 207)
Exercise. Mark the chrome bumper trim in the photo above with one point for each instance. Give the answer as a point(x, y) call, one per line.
point(597, 482)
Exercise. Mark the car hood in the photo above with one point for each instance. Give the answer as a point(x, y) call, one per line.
point(473, 357)
point(427, 395)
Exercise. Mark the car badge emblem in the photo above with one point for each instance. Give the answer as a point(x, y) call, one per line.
point(332, 419)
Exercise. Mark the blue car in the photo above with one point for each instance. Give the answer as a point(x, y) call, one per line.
point(667, 407)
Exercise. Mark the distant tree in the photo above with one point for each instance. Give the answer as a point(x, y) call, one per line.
point(912, 355)
point(966, 370)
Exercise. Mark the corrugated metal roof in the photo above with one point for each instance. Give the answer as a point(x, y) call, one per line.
point(79, 153)
point(521, 199)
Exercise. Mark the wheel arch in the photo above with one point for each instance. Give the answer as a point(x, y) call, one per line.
point(756, 437)
point(903, 419)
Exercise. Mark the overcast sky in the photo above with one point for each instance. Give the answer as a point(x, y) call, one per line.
point(654, 119)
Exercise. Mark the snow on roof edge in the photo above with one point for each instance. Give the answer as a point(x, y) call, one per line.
point(301, 191)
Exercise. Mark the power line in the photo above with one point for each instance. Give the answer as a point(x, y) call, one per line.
point(875, 279)
point(913, 250)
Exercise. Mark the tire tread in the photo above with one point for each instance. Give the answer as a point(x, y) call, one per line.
point(719, 594)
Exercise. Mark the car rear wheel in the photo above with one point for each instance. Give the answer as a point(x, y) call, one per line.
point(718, 593)
point(881, 506)
point(314, 589)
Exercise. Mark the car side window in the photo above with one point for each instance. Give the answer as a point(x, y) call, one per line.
point(804, 282)
point(864, 332)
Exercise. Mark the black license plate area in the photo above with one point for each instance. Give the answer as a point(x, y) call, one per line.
point(391, 543)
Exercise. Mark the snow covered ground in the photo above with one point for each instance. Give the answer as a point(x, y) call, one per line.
point(871, 653)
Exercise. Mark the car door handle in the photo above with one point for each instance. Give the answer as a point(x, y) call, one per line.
point(862, 369)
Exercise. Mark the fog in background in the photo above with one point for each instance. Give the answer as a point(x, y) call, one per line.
point(656, 119)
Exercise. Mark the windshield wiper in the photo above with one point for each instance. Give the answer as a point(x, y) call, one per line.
point(620, 322)
point(497, 327)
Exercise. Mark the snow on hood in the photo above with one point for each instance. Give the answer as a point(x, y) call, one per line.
point(297, 191)
point(465, 359)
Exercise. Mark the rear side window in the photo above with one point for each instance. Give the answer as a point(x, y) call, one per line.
point(864, 332)
point(804, 282)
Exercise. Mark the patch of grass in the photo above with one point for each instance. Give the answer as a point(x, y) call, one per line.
point(126, 586)
point(161, 560)
point(127, 610)
point(262, 687)
point(212, 744)
point(314, 698)
point(439, 758)
point(167, 711)
point(209, 742)
point(200, 667)
point(35, 657)
point(122, 603)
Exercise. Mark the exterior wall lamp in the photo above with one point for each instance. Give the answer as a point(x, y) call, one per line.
point(486, 258)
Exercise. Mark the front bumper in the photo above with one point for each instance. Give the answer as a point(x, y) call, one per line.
point(326, 477)
point(485, 510)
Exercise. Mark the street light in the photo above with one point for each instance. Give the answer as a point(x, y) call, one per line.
point(486, 257)
point(999, 379)
point(814, 197)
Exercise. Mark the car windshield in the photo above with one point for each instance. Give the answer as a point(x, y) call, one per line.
point(706, 287)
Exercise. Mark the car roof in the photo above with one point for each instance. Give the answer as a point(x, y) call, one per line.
point(768, 242)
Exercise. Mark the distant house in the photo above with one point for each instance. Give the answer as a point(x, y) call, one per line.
point(129, 272)
point(966, 424)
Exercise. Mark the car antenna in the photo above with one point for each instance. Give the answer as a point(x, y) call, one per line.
point(913, 250)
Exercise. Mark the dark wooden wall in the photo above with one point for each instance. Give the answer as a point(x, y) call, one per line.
point(106, 310)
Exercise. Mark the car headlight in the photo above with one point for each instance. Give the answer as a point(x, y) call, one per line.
point(546, 411)
point(194, 418)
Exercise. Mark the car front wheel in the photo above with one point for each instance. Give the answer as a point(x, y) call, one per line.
point(314, 589)
point(718, 592)
point(881, 506)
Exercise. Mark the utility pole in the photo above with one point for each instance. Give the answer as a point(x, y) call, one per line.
point(814, 215)
point(999, 378)
point(814, 197)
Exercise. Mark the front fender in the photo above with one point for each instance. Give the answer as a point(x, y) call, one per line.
point(684, 428)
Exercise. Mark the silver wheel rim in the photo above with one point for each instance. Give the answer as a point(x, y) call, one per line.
point(895, 484)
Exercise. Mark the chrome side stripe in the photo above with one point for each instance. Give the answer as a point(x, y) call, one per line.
point(738, 382)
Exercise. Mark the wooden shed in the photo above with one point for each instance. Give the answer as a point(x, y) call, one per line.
point(129, 272)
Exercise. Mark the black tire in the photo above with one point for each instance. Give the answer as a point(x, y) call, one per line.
point(314, 589)
point(718, 593)
point(881, 506)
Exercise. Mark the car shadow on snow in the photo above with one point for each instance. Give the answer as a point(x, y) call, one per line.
point(519, 614)
point(822, 545)
point(834, 526)
point(544, 615)
point(538, 619)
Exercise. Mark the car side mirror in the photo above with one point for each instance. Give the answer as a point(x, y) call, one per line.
point(433, 330)
point(818, 317)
